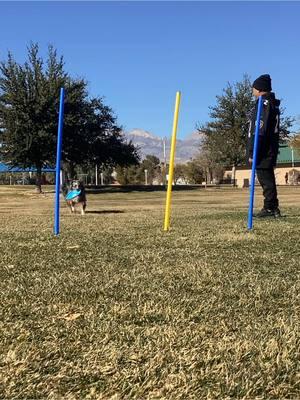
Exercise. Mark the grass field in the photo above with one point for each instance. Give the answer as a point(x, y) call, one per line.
point(114, 308)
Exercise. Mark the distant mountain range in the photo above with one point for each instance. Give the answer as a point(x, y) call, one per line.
point(148, 143)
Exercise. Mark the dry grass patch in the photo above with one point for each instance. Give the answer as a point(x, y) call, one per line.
point(114, 308)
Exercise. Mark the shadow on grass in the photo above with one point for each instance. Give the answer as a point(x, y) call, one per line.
point(105, 212)
point(93, 189)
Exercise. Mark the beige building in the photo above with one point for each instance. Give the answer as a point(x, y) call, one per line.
point(287, 171)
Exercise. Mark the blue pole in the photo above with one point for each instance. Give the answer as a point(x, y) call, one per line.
point(254, 160)
point(58, 160)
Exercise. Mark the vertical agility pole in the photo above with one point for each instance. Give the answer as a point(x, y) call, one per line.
point(58, 159)
point(254, 160)
point(171, 166)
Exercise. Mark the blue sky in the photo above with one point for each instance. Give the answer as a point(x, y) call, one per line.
point(138, 54)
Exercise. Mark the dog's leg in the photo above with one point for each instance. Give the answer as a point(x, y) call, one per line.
point(82, 209)
point(69, 207)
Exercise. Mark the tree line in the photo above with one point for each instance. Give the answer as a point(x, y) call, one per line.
point(225, 134)
point(29, 104)
point(224, 139)
point(152, 171)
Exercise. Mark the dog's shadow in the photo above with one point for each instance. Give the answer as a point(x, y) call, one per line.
point(105, 212)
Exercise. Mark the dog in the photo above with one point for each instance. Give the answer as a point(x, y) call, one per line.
point(74, 200)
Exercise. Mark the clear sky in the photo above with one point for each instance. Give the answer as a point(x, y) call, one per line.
point(138, 54)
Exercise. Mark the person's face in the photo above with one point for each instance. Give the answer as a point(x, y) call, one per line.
point(255, 92)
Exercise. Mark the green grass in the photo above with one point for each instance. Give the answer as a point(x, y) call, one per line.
point(114, 308)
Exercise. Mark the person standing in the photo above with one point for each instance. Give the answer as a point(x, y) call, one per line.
point(268, 144)
point(286, 177)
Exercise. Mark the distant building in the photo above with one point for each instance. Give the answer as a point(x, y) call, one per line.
point(288, 162)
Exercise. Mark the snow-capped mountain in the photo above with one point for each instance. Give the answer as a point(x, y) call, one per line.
point(149, 143)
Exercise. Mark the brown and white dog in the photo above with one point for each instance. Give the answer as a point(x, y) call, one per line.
point(78, 201)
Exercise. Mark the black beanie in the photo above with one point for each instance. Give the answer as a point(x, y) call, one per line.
point(263, 83)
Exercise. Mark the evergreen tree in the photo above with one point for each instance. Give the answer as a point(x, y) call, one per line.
point(152, 165)
point(29, 103)
point(135, 174)
point(180, 173)
point(225, 135)
point(194, 172)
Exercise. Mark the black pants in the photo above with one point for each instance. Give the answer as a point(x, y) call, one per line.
point(266, 178)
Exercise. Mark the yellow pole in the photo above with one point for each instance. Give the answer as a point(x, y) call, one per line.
point(171, 165)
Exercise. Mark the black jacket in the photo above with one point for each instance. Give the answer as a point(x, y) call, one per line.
point(268, 144)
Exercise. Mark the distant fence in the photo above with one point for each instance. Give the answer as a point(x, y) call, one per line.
point(24, 178)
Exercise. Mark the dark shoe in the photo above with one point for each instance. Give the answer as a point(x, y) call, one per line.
point(277, 213)
point(264, 213)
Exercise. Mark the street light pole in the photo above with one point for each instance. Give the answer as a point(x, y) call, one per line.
point(165, 161)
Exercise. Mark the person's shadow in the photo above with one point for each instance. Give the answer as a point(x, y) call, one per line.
point(104, 211)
